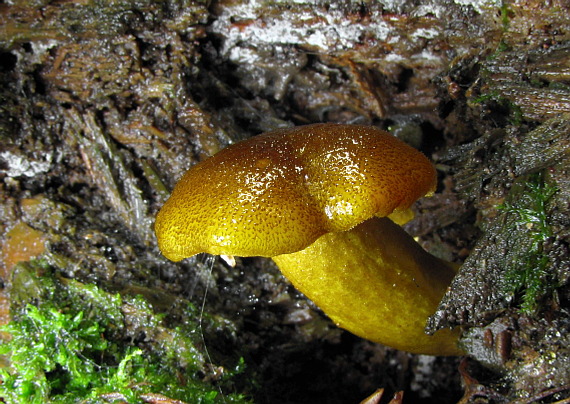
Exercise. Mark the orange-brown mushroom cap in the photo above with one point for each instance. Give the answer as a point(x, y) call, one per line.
point(276, 193)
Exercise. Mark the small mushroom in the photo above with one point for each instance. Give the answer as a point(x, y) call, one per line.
point(315, 199)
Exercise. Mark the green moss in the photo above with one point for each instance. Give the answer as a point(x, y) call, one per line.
point(528, 276)
point(72, 342)
point(506, 15)
point(485, 98)
point(496, 102)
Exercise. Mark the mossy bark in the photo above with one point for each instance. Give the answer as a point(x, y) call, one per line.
point(105, 104)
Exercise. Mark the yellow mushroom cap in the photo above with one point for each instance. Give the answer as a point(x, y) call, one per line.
point(278, 192)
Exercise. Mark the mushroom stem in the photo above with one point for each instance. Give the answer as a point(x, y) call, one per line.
point(376, 282)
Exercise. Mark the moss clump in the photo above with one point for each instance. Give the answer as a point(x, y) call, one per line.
point(529, 276)
point(75, 344)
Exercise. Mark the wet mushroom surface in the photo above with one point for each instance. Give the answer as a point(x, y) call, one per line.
point(105, 106)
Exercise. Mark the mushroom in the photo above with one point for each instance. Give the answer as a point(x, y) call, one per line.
point(315, 198)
